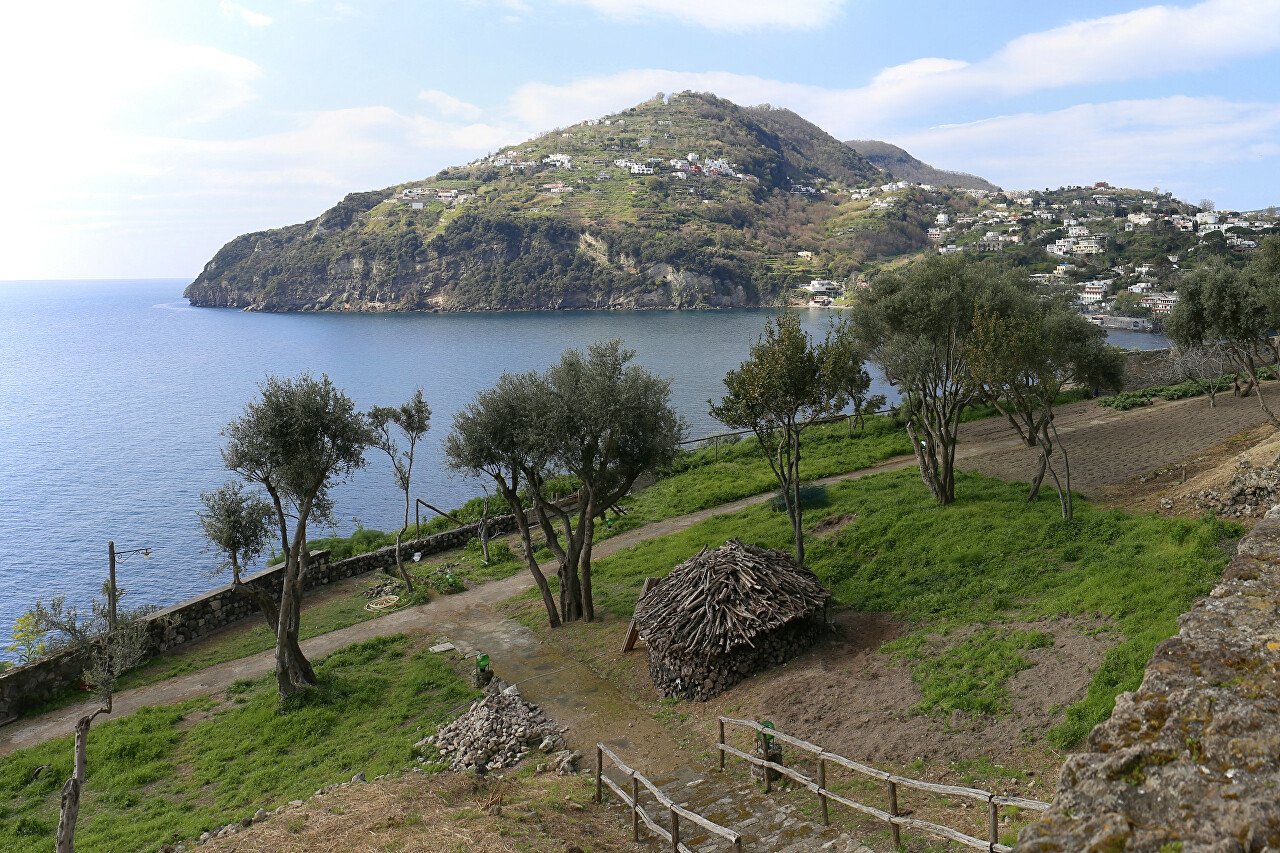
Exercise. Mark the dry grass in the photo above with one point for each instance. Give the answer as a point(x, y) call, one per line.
point(445, 813)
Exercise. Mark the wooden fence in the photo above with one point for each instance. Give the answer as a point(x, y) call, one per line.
point(896, 820)
point(639, 815)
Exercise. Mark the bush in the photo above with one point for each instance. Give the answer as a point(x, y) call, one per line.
point(1126, 400)
point(499, 551)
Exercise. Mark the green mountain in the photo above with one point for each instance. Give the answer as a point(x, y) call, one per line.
point(904, 167)
point(686, 201)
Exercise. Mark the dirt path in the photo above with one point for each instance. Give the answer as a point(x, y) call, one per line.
point(1106, 446)
point(468, 619)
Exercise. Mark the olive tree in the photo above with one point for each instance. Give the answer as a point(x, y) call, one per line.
point(110, 649)
point(297, 439)
point(786, 383)
point(1237, 308)
point(915, 327)
point(594, 416)
point(1021, 357)
point(493, 436)
point(413, 419)
point(238, 522)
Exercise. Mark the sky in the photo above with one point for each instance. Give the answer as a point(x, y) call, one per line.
point(139, 137)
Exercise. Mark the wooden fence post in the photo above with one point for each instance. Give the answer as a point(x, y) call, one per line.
point(764, 752)
point(995, 823)
point(717, 448)
point(822, 786)
point(675, 831)
point(635, 808)
point(599, 774)
point(722, 744)
point(894, 829)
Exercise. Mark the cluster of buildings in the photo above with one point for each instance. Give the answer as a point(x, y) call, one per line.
point(419, 196)
point(1079, 241)
point(895, 186)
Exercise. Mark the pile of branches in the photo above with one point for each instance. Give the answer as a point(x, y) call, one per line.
point(726, 598)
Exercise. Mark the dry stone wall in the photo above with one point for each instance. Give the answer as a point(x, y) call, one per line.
point(1191, 761)
point(37, 682)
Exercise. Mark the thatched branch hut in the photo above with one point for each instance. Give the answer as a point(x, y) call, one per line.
point(728, 613)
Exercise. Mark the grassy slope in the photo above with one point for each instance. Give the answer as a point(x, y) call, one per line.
point(169, 773)
point(987, 559)
point(699, 483)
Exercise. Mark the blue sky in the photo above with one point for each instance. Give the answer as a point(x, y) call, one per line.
point(141, 135)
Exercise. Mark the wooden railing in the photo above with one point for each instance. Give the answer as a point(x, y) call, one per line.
point(639, 815)
point(896, 820)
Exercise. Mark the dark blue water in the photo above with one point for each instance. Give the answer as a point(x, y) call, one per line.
point(112, 395)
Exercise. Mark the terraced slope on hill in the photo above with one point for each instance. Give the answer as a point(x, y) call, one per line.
point(686, 201)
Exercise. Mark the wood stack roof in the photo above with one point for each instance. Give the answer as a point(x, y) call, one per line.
point(724, 598)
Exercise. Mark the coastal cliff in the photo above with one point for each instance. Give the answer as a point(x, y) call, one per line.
point(687, 201)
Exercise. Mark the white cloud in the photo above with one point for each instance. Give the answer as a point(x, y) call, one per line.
point(541, 106)
point(730, 15)
point(162, 205)
point(1178, 143)
point(448, 105)
point(109, 72)
point(253, 19)
point(106, 170)
point(1143, 43)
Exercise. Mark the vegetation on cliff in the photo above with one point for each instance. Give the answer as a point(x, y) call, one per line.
point(686, 201)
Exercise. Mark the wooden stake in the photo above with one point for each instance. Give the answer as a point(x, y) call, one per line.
point(635, 809)
point(722, 744)
point(822, 786)
point(893, 810)
point(599, 774)
point(633, 631)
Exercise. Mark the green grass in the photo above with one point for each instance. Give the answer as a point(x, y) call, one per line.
point(987, 559)
point(972, 674)
point(699, 482)
point(1126, 400)
point(163, 774)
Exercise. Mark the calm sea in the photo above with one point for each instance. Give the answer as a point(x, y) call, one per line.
point(113, 395)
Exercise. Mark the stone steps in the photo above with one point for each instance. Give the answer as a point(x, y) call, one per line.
point(766, 825)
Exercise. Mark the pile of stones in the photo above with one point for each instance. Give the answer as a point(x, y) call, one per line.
point(498, 731)
point(1251, 490)
point(390, 586)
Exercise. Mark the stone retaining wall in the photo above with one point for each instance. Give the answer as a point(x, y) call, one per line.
point(37, 682)
point(1191, 761)
point(1146, 368)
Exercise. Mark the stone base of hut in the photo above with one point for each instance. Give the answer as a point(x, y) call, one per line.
point(700, 680)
